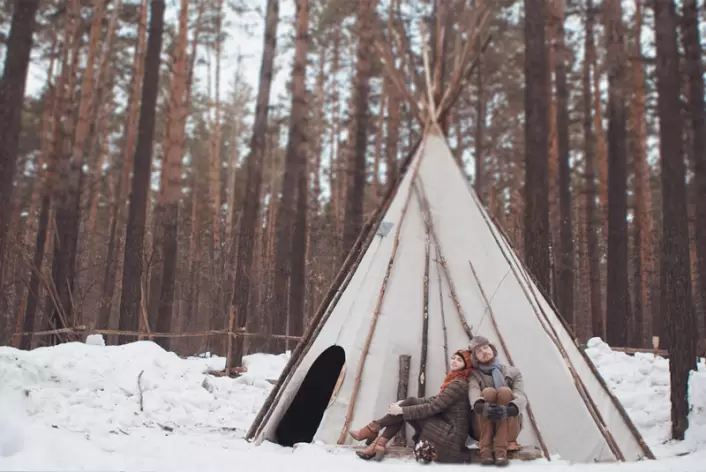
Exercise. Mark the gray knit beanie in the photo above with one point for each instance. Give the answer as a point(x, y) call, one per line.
point(476, 342)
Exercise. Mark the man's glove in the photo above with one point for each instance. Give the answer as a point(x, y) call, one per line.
point(497, 412)
point(512, 410)
point(480, 408)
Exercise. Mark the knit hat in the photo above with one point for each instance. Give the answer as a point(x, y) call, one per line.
point(478, 341)
point(465, 355)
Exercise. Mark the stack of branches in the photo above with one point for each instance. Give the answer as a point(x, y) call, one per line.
point(471, 40)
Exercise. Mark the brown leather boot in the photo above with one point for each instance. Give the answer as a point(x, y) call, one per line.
point(501, 459)
point(486, 456)
point(376, 450)
point(369, 433)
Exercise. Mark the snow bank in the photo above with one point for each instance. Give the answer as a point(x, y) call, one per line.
point(81, 407)
point(87, 387)
point(641, 383)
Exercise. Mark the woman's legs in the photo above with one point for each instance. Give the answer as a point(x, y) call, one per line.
point(392, 424)
point(390, 420)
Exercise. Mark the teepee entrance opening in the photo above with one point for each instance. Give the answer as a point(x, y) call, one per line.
point(300, 422)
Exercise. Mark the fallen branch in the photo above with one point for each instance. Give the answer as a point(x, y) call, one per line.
point(139, 389)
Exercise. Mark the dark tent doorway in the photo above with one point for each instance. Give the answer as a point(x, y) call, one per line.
point(302, 419)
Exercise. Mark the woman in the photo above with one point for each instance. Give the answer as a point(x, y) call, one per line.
point(440, 422)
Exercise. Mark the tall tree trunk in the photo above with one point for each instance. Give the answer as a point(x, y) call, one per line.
point(215, 154)
point(644, 238)
point(618, 300)
point(592, 216)
point(565, 272)
point(393, 132)
point(38, 189)
point(43, 235)
point(12, 92)
point(287, 212)
point(479, 177)
point(676, 297)
point(692, 47)
point(553, 151)
point(178, 110)
point(536, 237)
point(122, 183)
point(134, 241)
point(72, 177)
point(251, 203)
point(64, 244)
point(356, 156)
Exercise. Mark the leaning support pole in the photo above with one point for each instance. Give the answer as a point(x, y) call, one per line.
point(422, 381)
point(443, 319)
point(426, 212)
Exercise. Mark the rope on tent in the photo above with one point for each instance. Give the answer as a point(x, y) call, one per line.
point(378, 306)
point(533, 287)
point(580, 386)
point(426, 212)
point(328, 303)
point(530, 413)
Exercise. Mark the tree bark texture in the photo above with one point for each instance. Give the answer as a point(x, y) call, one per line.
point(133, 266)
point(676, 299)
point(251, 204)
point(536, 236)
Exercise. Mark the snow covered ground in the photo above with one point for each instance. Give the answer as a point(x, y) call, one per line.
point(80, 407)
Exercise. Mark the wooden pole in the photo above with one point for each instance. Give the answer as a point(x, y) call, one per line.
point(422, 381)
point(424, 204)
point(402, 392)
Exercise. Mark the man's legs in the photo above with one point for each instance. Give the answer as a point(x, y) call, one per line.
point(502, 428)
point(513, 431)
point(486, 428)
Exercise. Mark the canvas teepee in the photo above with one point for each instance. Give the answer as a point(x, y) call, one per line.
point(429, 271)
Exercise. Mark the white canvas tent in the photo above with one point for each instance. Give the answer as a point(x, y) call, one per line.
point(429, 271)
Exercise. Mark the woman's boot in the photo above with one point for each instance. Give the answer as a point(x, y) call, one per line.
point(375, 450)
point(369, 433)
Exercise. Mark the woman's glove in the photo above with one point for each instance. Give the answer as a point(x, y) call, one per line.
point(395, 409)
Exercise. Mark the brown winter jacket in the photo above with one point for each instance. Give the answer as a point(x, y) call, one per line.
point(443, 420)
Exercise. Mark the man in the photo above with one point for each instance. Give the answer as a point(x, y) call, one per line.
point(496, 394)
